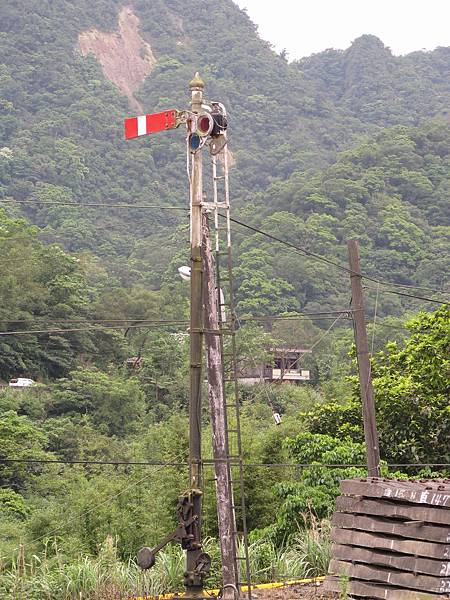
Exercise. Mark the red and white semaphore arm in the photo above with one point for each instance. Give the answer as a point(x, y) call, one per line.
point(146, 124)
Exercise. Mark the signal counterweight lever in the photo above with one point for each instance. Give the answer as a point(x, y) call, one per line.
point(146, 556)
point(185, 534)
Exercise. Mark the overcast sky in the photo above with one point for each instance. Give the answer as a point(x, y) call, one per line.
point(307, 26)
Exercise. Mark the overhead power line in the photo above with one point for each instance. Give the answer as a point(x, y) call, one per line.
point(124, 463)
point(295, 247)
point(206, 462)
point(92, 328)
point(92, 204)
point(329, 313)
point(415, 296)
point(330, 262)
point(50, 320)
point(418, 287)
point(128, 320)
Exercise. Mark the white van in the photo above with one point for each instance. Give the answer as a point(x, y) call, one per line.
point(21, 382)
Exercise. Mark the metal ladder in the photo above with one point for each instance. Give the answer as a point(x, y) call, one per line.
point(227, 322)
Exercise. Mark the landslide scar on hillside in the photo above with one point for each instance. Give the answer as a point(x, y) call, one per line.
point(126, 59)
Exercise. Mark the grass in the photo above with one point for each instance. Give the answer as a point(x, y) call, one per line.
point(306, 556)
point(106, 577)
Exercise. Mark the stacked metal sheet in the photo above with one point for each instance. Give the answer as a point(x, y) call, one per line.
point(391, 540)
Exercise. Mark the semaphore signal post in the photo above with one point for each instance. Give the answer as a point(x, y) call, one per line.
point(206, 125)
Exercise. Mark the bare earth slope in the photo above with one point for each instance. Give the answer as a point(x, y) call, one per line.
point(126, 59)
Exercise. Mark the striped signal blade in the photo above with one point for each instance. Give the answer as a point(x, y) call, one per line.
point(145, 124)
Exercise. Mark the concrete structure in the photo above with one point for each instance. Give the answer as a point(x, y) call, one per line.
point(285, 368)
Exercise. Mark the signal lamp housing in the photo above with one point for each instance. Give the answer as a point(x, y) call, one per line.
point(219, 116)
point(205, 124)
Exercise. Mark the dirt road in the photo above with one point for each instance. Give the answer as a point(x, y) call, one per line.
point(292, 592)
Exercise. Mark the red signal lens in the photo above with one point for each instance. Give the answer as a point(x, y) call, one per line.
point(204, 124)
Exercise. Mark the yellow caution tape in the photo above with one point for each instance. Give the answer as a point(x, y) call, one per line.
point(244, 588)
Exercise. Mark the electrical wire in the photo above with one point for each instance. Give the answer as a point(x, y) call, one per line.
point(300, 249)
point(317, 342)
point(145, 322)
point(92, 204)
point(414, 296)
point(323, 314)
point(137, 320)
point(76, 329)
point(330, 313)
point(207, 462)
point(418, 287)
point(327, 261)
point(125, 463)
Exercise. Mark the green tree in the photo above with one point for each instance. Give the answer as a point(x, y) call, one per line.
point(412, 390)
point(115, 403)
point(317, 486)
point(411, 396)
point(20, 440)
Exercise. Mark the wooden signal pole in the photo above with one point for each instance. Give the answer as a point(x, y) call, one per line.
point(216, 393)
point(200, 123)
point(196, 351)
point(364, 367)
point(196, 318)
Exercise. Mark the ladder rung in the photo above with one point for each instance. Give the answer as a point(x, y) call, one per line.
point(233, 430)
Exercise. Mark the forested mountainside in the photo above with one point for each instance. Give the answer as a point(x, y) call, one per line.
point(61, 136)
point(337, 145)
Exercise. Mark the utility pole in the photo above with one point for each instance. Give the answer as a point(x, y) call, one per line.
point(216, 393)
point(364, 366)
point(196, 347)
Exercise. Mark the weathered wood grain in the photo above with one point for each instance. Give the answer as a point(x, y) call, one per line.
point(380, 542)
point(396, 510)
point(414, 564)
point(379, 592)
point(417, 530)
point(428, 493)
point(426, 583)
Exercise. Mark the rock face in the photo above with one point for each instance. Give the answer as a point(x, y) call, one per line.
point(126, 59)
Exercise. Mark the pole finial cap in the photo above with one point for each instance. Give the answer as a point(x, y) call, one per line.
point(197, 82)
